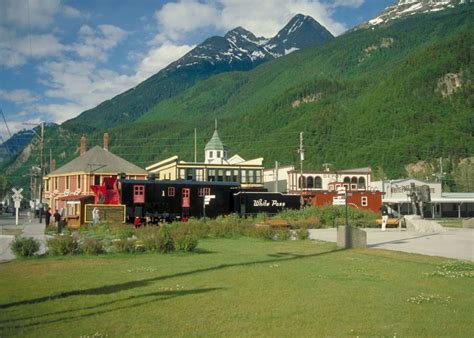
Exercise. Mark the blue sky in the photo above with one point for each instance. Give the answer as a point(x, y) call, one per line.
point(59, 58)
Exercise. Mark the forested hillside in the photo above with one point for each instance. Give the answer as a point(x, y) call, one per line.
point(383, 97)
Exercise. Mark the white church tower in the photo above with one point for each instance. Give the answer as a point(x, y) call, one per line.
point(215, 150)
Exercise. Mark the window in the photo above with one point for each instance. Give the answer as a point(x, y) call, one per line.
point(67, 182)
point(251, 176)
point(171, 191)
point(318, 182)
point(235, 178)
point(96, 179)
point(79, 181)
point(204, 192)
point(190, 174)
point(182, 174)
point(220, 175)
point(138, 194)
point(353, 186)
point(302, 182)
point(218, 154)
point(211, 175)
point(364, 201)
point(55, 185)
point(361, 183)
point(258, 176)
point(210, 154)
point(199, 175)
point(244, 176)
point(228, 175)
point(310, 182)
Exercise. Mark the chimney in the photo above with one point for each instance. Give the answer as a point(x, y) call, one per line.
point(106, 141)
point(83, 147)
point(53, 165)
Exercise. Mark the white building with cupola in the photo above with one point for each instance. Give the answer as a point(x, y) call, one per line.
point(217, 167)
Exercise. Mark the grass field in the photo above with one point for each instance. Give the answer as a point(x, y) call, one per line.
point(237, 287)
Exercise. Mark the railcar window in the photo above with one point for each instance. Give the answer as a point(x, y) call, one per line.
point(364, 201)
point(171, 191)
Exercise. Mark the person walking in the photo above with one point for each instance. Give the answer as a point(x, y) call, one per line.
point(384, 212)
point(95, 216)
point(47, 217)
point(57, 220)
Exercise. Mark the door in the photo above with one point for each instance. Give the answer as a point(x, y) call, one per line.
point(186, 203)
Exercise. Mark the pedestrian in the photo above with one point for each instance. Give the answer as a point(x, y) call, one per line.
point(384, 212)
point(95, 216)
point(57, 220)
point(47, 217)
point(137, 222)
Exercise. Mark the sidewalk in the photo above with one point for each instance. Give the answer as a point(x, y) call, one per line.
point(31, 228)
point(452, 243)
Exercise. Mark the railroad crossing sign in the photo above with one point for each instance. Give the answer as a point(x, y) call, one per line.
point(17, 196)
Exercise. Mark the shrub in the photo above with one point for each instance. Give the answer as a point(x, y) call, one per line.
point(263, 232)
point(124, 245)
point(125, 232)
point(184, 238)
point(302, 233)
point(281, 234)
point(25, 247)
point(165, 242)
point(61, 245)
point(92, 246)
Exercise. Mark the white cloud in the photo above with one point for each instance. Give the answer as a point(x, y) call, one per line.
point(95, 44)
point(263, 18)
point(158, 58)
point(18, 96)
point(28, 14)
point(16, 50)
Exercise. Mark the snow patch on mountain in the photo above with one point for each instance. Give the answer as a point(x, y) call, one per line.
point(409, 7)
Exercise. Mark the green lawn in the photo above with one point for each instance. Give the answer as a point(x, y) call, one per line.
point(236, 287)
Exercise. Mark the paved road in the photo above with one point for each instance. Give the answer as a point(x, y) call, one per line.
point(453, 243)
point(28, 228)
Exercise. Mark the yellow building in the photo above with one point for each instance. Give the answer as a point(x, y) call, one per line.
point(216, 167)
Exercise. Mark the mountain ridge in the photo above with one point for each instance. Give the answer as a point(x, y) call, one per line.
point(237, 50)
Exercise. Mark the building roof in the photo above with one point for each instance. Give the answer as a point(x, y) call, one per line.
point(215, 143)
point(99, 161)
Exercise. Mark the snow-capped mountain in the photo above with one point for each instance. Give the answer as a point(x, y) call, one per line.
point(238, 50)
point(241, 49)
point(301, 32)
point(404, 8)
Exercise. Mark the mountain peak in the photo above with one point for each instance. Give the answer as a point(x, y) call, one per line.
point(300, 32)
point(403, 8)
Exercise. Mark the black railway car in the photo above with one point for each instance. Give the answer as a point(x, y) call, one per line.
point(174, 200)
point(271, 203)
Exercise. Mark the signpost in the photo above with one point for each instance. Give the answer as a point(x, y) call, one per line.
point(17, 197)
point(207, 200)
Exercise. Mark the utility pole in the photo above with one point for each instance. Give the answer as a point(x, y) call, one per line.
point(42, 173)
point(301, 152)
point(276, 176)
